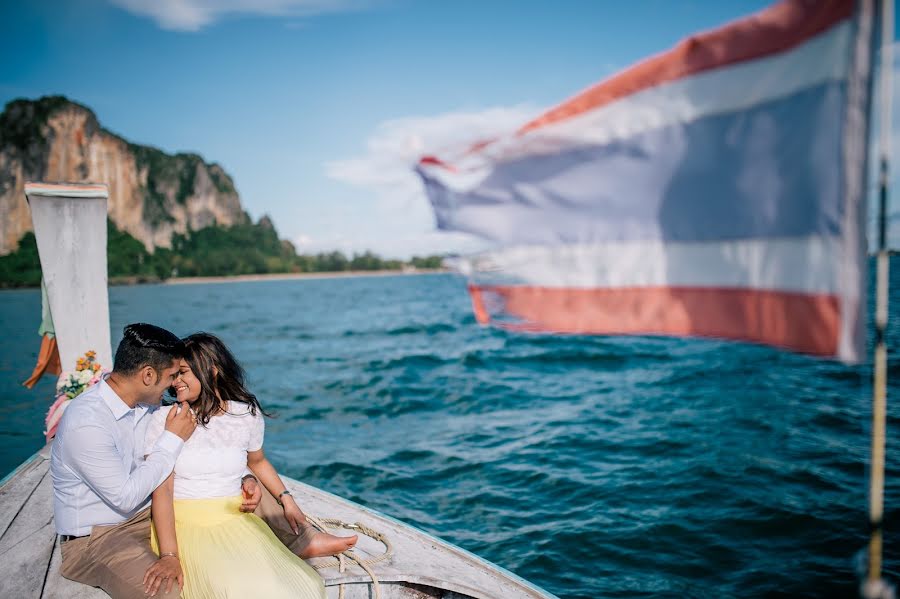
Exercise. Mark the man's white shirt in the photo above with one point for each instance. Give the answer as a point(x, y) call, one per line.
point(97, 461)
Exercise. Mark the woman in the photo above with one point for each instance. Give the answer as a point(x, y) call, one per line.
point(205, 543)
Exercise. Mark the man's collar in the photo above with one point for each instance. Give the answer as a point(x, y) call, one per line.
point(118, 407)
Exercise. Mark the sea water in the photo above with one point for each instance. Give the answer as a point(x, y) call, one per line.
point(591, 466)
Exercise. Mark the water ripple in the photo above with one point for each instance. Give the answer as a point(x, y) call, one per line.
point(595, 467)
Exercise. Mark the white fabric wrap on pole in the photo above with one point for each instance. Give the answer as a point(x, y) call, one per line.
point(70, 229)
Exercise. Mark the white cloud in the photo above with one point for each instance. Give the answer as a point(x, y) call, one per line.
point(386, 170)
point(302, 241)
point(193, 15)
point(396, 145)
point(306, 244)
point(402, 246)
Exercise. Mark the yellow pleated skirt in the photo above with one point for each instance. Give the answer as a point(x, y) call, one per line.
point(226, 553)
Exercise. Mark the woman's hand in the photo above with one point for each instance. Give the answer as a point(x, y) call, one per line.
point(166, 570)
point(293, 514)
point(251, 494)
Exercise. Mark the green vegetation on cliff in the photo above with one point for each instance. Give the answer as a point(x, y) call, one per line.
point(24, 132)
point(22, 121)
point(22, 268)
point(213, 251)
point(173, 176)
point(177, 192)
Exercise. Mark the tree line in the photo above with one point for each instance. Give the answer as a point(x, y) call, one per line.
point(243, 249)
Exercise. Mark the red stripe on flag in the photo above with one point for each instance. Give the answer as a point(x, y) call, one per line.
point(434, 160)
point(775, 29)
point(799, 322)
point(481, 313)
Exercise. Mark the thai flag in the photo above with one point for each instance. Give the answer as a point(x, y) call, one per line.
point(717, 189)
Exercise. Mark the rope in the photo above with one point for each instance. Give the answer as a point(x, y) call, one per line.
point(323, 524)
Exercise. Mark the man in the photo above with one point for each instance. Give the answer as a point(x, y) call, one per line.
point(102, 481)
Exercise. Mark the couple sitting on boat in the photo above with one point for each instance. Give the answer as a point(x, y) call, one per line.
point(223, 523)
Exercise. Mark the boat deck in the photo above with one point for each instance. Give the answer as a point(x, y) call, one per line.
point(422, 567)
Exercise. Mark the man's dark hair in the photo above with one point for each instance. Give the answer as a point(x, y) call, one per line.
point(146, 345)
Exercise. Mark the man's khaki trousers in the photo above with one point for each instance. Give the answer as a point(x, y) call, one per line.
point(116, 557)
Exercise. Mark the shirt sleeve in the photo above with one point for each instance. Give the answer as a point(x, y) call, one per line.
point(257, 432)
point(90, 452)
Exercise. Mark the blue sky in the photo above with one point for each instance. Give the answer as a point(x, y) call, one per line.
point(317, 108)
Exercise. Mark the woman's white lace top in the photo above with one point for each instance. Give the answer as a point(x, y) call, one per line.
point(214, 459)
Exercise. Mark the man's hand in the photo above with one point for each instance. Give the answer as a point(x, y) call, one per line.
point(251, 493)
point(181, 420)
point(166, 570)
point(293, 514)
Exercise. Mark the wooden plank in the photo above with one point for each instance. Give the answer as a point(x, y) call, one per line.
point(26, 464)
point(58, 587)
point(19, 487)
point(27, 546)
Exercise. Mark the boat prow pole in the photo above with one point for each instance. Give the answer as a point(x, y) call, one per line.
point(874, 586)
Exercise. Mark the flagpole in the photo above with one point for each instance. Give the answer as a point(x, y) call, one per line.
point(879, 390)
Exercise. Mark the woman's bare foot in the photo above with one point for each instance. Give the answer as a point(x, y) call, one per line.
point(324, 544)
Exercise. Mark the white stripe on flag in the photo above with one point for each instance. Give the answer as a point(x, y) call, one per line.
point(801, 265)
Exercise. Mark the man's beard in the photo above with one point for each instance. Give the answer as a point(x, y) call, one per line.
point(151, 399)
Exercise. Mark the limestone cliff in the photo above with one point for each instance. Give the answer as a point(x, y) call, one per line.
point(151, 194)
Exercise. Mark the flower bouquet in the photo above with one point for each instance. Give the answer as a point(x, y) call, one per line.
point(70, 385)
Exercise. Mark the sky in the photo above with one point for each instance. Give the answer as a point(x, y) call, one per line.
point(318, 109)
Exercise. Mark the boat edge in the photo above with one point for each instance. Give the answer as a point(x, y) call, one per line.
point(449, 545)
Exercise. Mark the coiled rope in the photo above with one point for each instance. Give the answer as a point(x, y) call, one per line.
point(323, 524)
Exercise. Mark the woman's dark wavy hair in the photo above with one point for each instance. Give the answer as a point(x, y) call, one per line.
point(220, 376)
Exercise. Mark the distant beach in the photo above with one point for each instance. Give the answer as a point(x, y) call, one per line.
point(302, 275)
